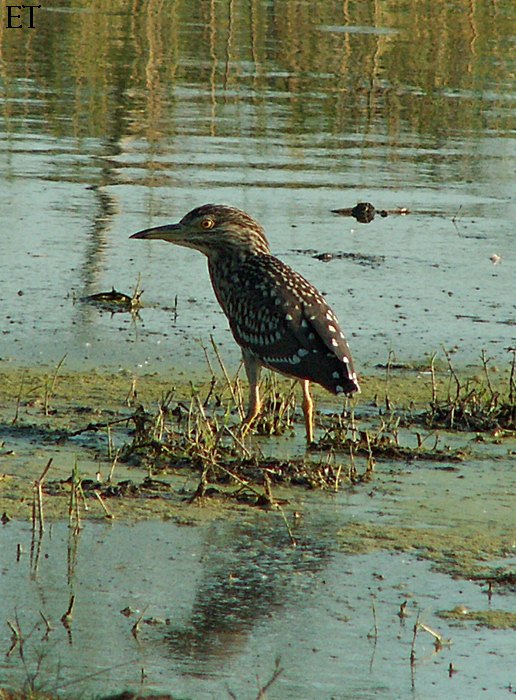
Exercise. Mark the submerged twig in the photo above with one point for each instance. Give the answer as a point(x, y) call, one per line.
point(66, 618)
point(262, 690)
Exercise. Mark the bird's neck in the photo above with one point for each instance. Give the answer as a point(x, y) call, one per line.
point(223, 266)
point(227, 272)
point(226, 257)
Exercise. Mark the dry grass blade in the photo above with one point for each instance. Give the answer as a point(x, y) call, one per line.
point(231, 385)
point(107, 512)
point(49, 390)
point(37, 505)
point(278, 407)
point(475, 404)
point(76, 497)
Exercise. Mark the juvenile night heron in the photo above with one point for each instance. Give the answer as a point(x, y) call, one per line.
point(278, 318)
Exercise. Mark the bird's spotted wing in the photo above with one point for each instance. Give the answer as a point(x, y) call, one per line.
point(320, 321)
point(286, 323)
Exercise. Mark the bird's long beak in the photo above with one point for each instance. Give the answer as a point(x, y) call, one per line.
point(166, 233)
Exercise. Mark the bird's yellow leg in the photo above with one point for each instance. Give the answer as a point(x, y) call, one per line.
point(252, 369)
point(308, 410)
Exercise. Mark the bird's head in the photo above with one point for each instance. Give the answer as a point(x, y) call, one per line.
point(214, 229)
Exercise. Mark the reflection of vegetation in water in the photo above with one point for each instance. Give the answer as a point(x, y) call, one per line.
point(114, 66)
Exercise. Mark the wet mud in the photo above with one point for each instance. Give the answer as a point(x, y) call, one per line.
point(137, 447)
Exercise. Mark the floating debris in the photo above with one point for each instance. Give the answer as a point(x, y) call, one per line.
point(364, 212)
point(114, 301)
point(495, 259)
point(359, 258)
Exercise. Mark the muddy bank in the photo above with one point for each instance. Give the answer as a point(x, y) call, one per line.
point(148, 444)
point(186, 566)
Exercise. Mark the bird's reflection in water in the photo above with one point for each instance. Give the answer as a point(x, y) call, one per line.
point(249, 573)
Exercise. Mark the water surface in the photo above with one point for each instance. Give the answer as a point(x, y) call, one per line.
point(136, 115)
point(221, 600)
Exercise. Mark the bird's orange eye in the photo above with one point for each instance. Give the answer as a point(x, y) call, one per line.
point(206, 224)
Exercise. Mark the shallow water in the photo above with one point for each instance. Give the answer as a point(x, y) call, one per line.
point(223, 600)
point(118, 116)
point(223, 591)
point(285, 115)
